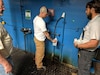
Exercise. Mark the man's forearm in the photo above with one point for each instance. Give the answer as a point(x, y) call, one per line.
point(88, 45)
point(48, 36)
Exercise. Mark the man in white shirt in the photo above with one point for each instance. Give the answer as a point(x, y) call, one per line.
point(40, 34)
point(91, 38)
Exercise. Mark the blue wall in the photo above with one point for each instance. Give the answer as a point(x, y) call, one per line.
point(68, 28)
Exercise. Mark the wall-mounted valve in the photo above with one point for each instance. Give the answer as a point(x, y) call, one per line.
point(26, 30)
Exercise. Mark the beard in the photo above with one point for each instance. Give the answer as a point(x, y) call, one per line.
point(89, 16)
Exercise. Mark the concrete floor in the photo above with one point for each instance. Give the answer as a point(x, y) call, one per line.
point(24, 64)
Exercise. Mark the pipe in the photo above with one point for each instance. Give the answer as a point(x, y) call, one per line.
point(62, 17)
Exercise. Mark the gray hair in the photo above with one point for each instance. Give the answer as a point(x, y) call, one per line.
point(43, 9)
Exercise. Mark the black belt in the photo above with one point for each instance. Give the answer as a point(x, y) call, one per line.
point(86, 50)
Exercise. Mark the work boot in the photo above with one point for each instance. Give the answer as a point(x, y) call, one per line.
point(43, 68)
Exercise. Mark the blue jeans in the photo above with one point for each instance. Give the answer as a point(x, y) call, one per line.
point(2, 71)
point(84, 62)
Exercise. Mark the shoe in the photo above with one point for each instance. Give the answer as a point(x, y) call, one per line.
point(43, 68)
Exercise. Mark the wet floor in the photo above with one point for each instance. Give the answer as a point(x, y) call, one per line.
point(25, 65)
point(52, 68)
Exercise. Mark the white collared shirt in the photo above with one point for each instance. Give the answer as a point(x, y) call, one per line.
point(39, 28)
point(92, 31)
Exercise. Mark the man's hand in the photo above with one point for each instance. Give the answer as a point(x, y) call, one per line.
point(7, 66)
point(54, 40)
point(76, 45)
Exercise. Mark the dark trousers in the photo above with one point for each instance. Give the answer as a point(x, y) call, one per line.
point(84, 62)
